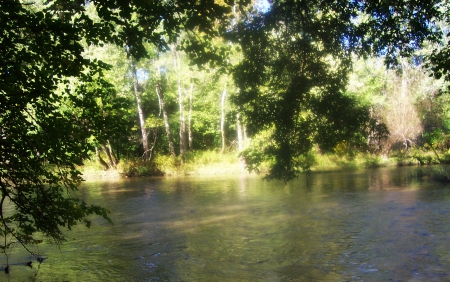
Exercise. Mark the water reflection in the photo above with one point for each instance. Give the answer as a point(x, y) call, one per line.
point(376, 225)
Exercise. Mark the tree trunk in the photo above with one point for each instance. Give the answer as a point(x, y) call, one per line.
point(100, 160)
point(182, 123)
point(191, 90)
point(111, 153)
point(107, 152)
point(222, 120)
point(244, 131)
point(177, 66)
point(160, 93)
point(154, 134)
point(239, 132)
point(138, 105)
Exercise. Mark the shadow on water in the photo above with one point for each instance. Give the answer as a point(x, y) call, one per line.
point(375, 225)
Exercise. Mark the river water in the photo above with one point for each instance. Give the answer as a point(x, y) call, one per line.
point(374, 225)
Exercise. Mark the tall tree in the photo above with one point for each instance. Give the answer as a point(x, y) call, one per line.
point(162, 104)
point(222, 119)
point(191, 108)
point(140, 111)
point(48, 107)
point(240, 132)
point(401, 114)
point(296, 58)
point(118, 113)
point(182, 133)
point(41, 140)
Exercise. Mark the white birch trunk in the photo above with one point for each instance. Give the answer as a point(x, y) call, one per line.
point(239, 132)
point(222, 119)
point(138, 104)
point(182, 122)
point(182, 133)
point(190, 138)
point(160, 93)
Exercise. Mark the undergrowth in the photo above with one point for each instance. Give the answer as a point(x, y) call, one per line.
point(215, 163)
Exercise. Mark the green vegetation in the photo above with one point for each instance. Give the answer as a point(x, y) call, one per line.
point(217, 163)
point(151, 88)
point(195, 163)
point(440, 174)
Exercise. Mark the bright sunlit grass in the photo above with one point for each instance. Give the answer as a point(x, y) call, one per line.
point(331, 162)
point(217, 163)
point(201, 163)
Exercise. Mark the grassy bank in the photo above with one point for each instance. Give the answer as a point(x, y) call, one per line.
point(195, 163)
point(216, 163)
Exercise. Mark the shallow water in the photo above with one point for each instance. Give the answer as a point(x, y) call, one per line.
point(376, 225)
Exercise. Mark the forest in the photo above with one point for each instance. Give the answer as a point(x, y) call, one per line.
point(145, 85)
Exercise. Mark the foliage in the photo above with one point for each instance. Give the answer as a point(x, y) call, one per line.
point(206, 158)
point(407, 101)
point(199, 162)
point(66, 86)
point(434, 109)
point(436, 139)
point(374, 161)
point(139, 168)
point(47, 97)
point(292, 77)
point(437, 59)
point(438, 173)
point(296, 60)
point(54, 97)
point(292, 73)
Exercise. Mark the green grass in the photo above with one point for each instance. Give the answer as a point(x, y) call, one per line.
point(196, 163)
point(93, 170)
point(201, 163)
point(216, 163)
point(125, 168)
point(331, 162)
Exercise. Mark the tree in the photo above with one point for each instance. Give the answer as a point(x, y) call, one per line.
point(291, 80)
point(296, 58)
point(137, 95)
point(48, 99)
point(401, 114)
point(182, 133)
point(162, 103)
point(222, 119)
point(48, 108)
point(120, 134)
point(438, 53)
point(407, 100)
point(368, 84)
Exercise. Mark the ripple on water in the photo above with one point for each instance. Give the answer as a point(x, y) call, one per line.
point(339, 228)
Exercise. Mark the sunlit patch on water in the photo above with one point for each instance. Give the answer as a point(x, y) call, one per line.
point(116, 191)
point(190, 224)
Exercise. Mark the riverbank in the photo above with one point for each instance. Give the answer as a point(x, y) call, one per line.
point(215, 163)
point(196, 163)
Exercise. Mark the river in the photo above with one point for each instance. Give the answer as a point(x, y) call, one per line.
point(372, 225)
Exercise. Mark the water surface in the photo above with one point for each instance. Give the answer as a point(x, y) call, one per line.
point(376, 225)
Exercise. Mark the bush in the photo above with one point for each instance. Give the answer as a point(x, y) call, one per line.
point(138, 168)
point(372, 161)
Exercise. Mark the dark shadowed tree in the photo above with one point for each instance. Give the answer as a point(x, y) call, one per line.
point(296, 59)
point(48, 109)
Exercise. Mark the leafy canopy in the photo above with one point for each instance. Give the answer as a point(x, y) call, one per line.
point(296, 59)
point(51, 98)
